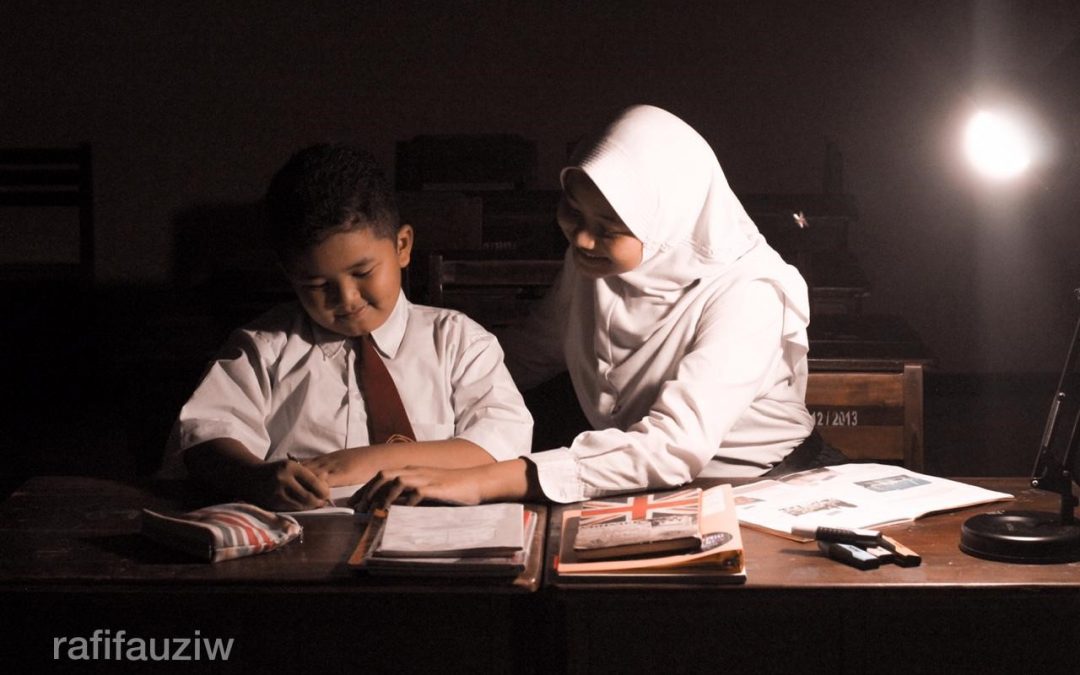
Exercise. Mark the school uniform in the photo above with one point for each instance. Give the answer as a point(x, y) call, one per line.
point(285, 386)
point(693, 363)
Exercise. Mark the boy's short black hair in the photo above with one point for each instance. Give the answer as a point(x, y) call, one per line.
point(324, 189)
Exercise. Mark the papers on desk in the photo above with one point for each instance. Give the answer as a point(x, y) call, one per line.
point(336, 508)
point(851, 496)
point(485, 540)
point(452, 531)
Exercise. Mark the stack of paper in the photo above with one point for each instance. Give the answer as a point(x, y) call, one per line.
point(485, 540)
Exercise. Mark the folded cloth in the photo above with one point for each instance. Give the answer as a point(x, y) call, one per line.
point(222, 531)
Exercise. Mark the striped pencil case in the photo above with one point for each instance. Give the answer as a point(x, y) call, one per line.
point(223, 531)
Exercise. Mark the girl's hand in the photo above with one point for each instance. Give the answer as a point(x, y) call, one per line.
point(412, 485)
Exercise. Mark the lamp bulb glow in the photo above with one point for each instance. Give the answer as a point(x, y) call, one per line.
point(997, 145)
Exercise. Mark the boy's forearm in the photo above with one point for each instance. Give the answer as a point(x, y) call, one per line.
point(454, 453)
point(220, 463)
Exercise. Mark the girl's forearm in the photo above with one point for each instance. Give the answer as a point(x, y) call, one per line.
point(513, 480)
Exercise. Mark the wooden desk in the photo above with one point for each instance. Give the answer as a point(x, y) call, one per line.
point(72, 562)
point(800, 612)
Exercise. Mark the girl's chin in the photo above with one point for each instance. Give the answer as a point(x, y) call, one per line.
point(593, 265)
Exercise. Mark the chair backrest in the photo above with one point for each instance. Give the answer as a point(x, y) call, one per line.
point(495, 292)
point(52, 178)
point(871, 416)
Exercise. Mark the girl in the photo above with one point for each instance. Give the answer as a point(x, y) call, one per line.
point(683, 332)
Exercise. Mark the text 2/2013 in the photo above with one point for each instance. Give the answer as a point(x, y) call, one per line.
point(836, 418)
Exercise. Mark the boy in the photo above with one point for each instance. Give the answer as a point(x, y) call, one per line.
point(283, 416)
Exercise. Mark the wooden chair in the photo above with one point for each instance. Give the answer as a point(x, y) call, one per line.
point(493, 291)
point(51, 178)
point(865, 389)
point(871, 416)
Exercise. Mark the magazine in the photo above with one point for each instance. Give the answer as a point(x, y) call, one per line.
point(851, 496)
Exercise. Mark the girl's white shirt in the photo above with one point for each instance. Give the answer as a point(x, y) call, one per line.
point(693, 363)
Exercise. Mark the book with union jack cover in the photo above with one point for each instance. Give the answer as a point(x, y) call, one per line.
point(625, 526)
point(719, 553)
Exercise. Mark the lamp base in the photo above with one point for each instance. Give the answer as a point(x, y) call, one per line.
point(1033, 537)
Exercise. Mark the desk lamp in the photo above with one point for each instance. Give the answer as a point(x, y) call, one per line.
point(998, 148)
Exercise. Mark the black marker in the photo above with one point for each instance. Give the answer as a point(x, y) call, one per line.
point(850, 554)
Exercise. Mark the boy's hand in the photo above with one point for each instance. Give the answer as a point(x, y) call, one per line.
point(412, 485)
point(284, 486)
point(343, 467)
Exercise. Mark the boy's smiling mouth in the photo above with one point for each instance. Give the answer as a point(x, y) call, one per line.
point(350, 315)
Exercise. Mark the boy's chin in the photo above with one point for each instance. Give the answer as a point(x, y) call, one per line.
point(350, 329)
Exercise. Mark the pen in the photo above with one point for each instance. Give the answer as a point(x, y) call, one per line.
point(838, 535)
point(292, 458)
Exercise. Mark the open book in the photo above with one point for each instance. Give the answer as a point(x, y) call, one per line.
point(486, 540)
point(852, 496)
point(720, 551)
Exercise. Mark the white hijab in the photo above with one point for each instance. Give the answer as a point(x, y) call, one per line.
point(665, 183)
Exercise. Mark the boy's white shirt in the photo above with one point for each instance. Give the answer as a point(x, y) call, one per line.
point(693, 363)
point(283, 385)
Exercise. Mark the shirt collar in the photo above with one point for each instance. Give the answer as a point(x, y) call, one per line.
point(388, 336)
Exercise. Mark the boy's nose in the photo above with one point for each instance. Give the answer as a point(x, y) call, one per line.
point(348, 296)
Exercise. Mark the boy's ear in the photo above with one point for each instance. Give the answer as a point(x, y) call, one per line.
point(404, 243)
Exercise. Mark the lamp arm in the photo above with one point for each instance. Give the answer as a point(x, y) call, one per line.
point(1050, 473)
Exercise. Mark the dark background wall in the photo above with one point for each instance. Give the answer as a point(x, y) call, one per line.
point(194, 104)
point(191, 104)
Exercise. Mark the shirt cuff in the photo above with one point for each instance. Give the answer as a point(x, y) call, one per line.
point(557, 472)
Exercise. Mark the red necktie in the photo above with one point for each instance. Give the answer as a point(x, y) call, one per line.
point(387, 420)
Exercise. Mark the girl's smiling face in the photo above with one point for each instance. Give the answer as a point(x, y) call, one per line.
point(603, 244)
